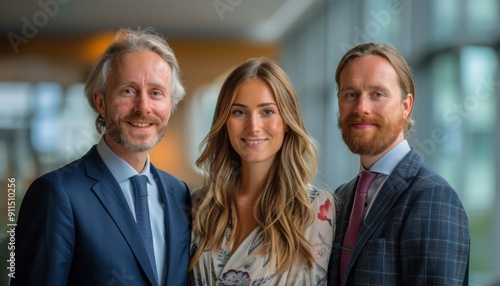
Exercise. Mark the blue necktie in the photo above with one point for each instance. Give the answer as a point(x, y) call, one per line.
point(139, 184)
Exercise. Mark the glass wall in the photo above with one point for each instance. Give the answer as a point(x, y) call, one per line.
point(453, 48)
point(43, 126)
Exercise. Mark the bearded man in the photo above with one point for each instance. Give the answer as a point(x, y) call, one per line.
point(408, 226)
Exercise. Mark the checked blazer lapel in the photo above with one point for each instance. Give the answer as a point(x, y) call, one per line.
point(110, 194)
point(346, 197)
point(398, 181)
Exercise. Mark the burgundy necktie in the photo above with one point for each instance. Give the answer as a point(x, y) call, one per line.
point(365, 180)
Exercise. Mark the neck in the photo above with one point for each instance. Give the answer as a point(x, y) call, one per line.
point(368, 160)
point(253, 178)
point(135, 159)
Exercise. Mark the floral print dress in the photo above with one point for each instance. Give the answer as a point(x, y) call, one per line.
point(247, 266)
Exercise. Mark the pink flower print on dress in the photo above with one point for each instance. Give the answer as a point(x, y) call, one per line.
point(324, 210)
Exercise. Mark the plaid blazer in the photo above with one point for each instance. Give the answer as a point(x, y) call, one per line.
point(416, 232)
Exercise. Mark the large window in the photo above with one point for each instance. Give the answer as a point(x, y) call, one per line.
point(42, 126)
point(464, 111)
point(453, 48)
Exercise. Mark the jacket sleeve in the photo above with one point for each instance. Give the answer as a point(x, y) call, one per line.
point(435, 239)
point(44, 235)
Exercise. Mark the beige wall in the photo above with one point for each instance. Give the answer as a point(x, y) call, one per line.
point(68, 60)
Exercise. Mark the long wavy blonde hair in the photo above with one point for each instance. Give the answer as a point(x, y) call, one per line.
point(283, 209)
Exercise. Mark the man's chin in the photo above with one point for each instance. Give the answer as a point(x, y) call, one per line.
point(362, 146)
point(140, 147)
point(360, 150)
point(139, 144)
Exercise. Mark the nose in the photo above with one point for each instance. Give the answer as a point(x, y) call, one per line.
point(142, 104)
point(253, 123)
point(363, 105)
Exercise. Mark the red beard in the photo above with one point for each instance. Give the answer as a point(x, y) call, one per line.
point(370, 142)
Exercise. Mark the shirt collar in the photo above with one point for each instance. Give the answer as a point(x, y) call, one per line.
point(386, 164)
point(118, 167)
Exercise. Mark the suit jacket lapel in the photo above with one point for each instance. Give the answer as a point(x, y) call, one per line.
point(394, 186)
point(173, 213)
point(111, 196)
point(165, 192)
point(345, 195)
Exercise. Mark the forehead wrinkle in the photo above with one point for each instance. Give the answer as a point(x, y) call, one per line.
point(152, 71)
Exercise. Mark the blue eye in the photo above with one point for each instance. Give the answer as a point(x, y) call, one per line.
point(351, 95)
point(238, 112)
point(128, 92)
point(268, 112)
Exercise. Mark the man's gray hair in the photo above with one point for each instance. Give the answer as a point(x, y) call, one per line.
point(129, 40)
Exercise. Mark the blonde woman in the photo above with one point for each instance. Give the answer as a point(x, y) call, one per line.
point(257, 219)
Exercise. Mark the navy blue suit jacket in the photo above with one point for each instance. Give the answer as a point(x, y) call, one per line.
point(76, 228)
point(416, 232)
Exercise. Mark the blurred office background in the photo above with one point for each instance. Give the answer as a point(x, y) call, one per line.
point(47, 48)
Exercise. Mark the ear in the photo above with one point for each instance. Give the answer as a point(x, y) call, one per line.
point(99, 103)
point(407, 105)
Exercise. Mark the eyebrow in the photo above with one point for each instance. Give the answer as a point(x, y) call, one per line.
point(347, 88)
point(371, 87)
point(160, 85)
point(259, 105)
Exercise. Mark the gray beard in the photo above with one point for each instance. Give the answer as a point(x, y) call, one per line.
point(117, 135)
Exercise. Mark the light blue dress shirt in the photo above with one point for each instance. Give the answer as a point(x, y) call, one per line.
point(122, 172)
point(384, 167)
